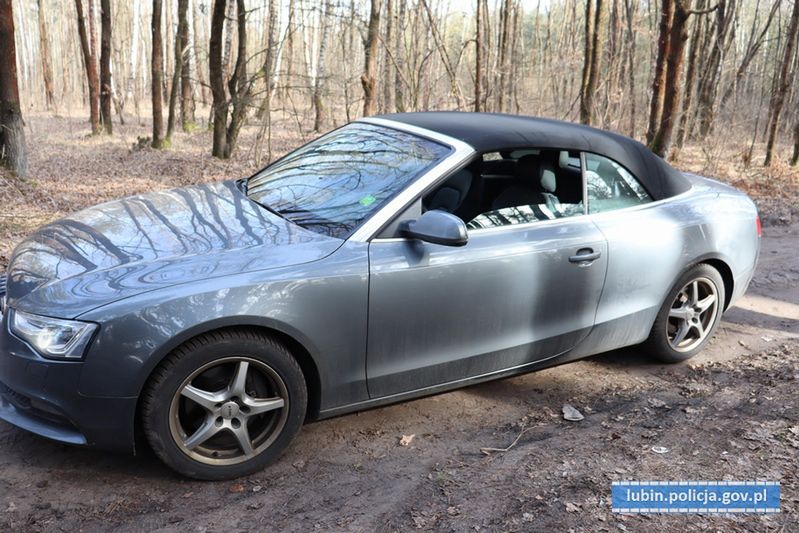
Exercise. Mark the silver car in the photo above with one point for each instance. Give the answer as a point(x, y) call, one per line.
point(395, 257)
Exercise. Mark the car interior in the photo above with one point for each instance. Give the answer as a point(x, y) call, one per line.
point(518, 186)
point(502, 188)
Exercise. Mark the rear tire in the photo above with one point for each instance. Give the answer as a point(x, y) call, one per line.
point(689, 315)
point(224, 404)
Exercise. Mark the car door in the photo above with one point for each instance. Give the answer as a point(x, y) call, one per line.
point(513, 295)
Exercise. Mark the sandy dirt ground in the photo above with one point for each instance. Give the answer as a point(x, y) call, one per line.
point(729, 414)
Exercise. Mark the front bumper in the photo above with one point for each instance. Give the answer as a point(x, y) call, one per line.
point(41, 396)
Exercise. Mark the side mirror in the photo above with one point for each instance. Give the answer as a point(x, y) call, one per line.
point(437, 227)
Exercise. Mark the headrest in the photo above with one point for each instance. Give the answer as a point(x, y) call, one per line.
point(461, 180)
point(547, 177)
point(451, 194)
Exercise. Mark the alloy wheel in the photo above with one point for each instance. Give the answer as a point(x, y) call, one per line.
point(229, 411)
point(692, 314)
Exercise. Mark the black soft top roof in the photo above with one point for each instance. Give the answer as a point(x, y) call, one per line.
point(497, 132)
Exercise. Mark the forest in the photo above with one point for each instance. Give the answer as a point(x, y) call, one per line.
point(104, 99)
point(670, 73)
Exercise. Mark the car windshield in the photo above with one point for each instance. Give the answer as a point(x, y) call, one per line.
point(336, 182)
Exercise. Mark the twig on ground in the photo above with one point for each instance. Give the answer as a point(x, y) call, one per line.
point(489, 451)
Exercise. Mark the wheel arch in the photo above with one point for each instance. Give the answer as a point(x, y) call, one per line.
point(726, 276)
point(281, 332)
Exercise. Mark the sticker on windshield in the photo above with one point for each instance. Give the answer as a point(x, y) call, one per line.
point(366, 201)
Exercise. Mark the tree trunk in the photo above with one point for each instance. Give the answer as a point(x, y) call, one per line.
point(709, 81)
point(585, 95)
point(239, 85)
point(784, 82)
point(442, 50)
point(399, 89)
point(320, 114)
point(229, 29)
point(368, 78)
point(502, 67)
point(181, 36)
point(659, 80)
point(690, 77)
point(795, 157)
point(186, 93)
point(197, 26)
point(12, 131)
point(91, 71)
point(131, 90)
point(157, 68)
point(478, 58)
point(593, 61)
point(678, 35)
point(216, 78)
point(388, 90)
point(629, 8)
point(755, 42)
point(106, 92)
point(44, 49)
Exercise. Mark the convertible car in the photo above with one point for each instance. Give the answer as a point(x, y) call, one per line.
point(394, 257)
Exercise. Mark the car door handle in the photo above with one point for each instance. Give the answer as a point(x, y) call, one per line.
point(584, 255)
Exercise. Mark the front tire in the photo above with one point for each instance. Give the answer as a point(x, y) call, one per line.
point(689, 315)
point(224, 404)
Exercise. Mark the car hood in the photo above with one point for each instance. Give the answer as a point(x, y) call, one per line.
point(137, 244)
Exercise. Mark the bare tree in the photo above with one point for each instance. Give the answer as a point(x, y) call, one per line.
point(91, 70)
point(388, 39)
point(677, 28)
point(229, 29)
point(442, 49)
point(180, 49)
point(677, 36)
point(131, 90)
point(320, 114)
point(239, 85)
point(12, 132)
point(502, 53)
point(592, 60)
point(157, 76)
point(709, 81)
point(478, 57)
point(106, 91)
point(399, 59)
point(220, 104)
point(783, 82)
point(44, 50)
point(756, 40)
point(690, 78)
point(659, 79)
point(629, 10)
point(368, 78)
point(187, 105)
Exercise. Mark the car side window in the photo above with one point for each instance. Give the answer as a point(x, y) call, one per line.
point(528, 185)
point(611, 186)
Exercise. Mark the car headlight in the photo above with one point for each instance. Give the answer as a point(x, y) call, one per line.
point(52, 337)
